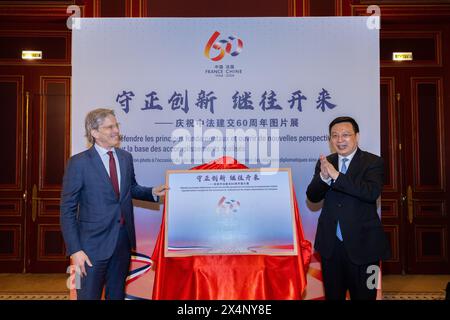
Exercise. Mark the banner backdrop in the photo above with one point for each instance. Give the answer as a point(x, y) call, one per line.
point(261, 90)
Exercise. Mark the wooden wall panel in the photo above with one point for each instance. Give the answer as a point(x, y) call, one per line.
point(50, 243)
point(10, 239)
point(426, 47)
point(428, 133)
point(55, 47)
point(112, 8)
point(228, 8)
point(389, 134)
point(433, 243)
point(392, 233)
point(389, 208)
point(49, 208)
point(430, 208)
point(321, 8)
point(54, 143)
point(11, 92)
point(10, 207)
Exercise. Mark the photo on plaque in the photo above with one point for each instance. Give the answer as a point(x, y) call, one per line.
point(242, 211)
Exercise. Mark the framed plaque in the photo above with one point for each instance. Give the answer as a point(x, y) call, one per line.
point(239, 211)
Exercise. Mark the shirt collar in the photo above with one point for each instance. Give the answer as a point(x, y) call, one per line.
point(349, 157)
point(102, 151)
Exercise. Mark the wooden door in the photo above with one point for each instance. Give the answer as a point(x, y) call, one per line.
point(35, 128)
point(50, 143)
point(416, 147)
point(12, 174)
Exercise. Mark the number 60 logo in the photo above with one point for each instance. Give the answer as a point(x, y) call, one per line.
point(223, 46)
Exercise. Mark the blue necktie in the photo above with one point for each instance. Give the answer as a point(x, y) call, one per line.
point(343, 170)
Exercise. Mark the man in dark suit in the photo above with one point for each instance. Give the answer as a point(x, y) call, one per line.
point(97, 218)
point(350, 237)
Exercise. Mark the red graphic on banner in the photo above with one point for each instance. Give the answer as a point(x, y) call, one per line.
point(223, 46)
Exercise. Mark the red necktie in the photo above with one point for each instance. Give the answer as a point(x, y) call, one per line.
point(113, 173)
point(114, 179)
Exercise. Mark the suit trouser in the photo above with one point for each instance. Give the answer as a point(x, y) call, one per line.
point(110, 273)
point(339, 273)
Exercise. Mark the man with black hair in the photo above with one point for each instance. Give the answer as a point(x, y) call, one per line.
point(350, 237)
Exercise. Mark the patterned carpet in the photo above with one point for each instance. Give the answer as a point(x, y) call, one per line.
point(386, 296)
point(34, 296)
point(392, 295)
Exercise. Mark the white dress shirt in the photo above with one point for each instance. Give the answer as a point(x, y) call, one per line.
point(105, 159)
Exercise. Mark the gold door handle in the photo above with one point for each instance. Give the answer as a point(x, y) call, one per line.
point(410, 205)
point(34, 200)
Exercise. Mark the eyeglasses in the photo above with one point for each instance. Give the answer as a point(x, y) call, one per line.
point(344, 136)
point(111, 127)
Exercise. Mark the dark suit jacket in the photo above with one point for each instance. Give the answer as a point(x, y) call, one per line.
point(351, 199)
point(90, 210)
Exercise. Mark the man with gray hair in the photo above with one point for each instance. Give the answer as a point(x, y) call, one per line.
point(97, 220)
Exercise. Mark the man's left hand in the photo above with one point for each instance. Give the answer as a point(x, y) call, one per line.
point(332, 172)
